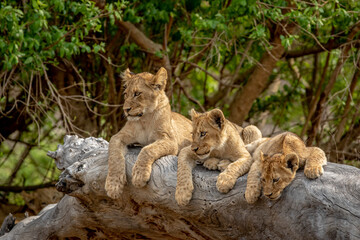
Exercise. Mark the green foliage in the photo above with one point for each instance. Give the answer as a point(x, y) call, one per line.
point(15, 199)
point(354, 163)
point(41, 31)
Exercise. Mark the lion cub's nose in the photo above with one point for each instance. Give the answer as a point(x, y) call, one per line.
point(268, 194)
point(127, 109)
point(194, 149)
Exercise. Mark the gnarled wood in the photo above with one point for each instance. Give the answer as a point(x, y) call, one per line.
point(325, 208)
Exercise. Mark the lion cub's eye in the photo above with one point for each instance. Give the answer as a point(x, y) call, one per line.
point(276, 180)
point(202, 134)
point(262, 179)
point(137, 94)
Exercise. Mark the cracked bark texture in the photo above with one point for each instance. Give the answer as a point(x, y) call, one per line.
point(325, 208)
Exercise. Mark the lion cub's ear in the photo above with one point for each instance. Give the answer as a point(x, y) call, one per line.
point(127, 74)
point(193, 114)
point(158, 82)
point(217, 118)
point(263, 156)
point(292, 161)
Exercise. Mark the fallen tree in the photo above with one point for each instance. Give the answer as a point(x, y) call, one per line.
point(325, 208)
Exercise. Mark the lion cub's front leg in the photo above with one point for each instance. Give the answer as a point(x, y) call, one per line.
point(253, 186)
point(315, 160)
point(142, 169)
point(116, 177)
point(228, 177)
point(185, 186)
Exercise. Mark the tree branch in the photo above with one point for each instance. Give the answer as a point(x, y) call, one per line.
point(178, 81)
point(18, 164)
point(321, 47)
point(26, 188)
point(204, 70)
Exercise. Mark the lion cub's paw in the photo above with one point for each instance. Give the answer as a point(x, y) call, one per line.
point(223, 164)
point(140, 176)
point(114, 185)
point(251, 195)
point(183, 194)
point(225, 182)
point(211, 163)
point(313, 171)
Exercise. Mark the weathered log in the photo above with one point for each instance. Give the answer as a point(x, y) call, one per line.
point(325, 208)
point(8, 224)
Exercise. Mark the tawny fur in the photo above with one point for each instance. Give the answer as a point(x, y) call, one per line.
point(221, 148)
point(276, 161)
point(151, 123)
point(248, 134)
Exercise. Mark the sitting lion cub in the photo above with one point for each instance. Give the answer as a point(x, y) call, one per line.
point(151, 124)
point(276, 161)
point(218, 145)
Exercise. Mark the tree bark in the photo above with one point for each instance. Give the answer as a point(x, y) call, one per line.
point(8, 224)
point(325, 208)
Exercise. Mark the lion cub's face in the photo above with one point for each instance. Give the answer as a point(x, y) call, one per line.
point(207, 128)
point(142, 93)
point(278, 171)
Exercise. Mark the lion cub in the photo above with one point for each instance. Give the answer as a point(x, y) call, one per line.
point(151, 123)
point(218, 145)
point(276, 161)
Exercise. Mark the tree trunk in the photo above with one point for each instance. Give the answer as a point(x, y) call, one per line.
point(325, 208)
point(258, 80)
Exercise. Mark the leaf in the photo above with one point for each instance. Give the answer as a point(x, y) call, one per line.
point(96, 48)
point(87, 48)
point(62, 51)
point(28, 60)
point(112, 19)
point(158, 54)
point(117, 15)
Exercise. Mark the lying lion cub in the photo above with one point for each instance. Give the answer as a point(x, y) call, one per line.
point(276, 161)
point(218, 145)
point(151, 124)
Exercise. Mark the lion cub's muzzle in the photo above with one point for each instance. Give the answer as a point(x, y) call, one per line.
point(272, 195)
point(129, 112)
point(201, 152)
